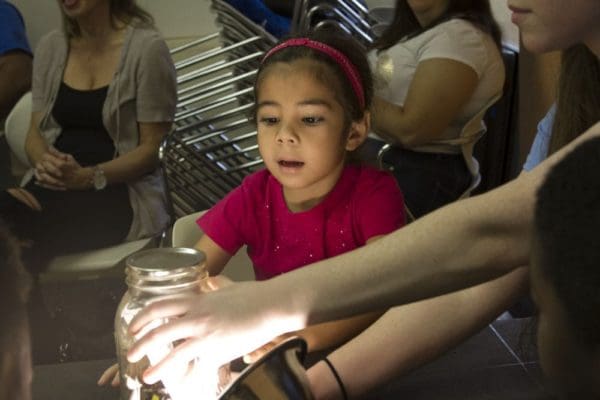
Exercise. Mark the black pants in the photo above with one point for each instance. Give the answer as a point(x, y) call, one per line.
point(70, 221)
point(427, 180)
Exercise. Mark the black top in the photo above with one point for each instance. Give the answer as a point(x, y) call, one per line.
point(79, 113)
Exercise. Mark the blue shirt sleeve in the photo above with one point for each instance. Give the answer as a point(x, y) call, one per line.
point(541, 144)
point(12, 30)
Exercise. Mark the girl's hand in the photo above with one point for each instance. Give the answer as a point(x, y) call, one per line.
point(258, 353)
point(110, 375)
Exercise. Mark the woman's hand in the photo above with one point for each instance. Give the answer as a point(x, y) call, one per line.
point(214, 328)
point(60, 171)
point(48, 170)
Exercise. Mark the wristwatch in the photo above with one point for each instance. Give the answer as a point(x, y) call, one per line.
point(99, 179)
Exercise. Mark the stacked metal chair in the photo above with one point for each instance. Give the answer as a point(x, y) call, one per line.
point(213, 145)
point(349, 16)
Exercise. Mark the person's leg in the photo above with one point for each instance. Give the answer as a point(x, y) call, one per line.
point(51, 223)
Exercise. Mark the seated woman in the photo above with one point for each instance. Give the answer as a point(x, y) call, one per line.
point(104, 96)
point(437, 68)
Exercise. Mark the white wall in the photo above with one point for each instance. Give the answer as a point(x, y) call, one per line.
point(174, 18)
point(510, 32)
point(188, 18)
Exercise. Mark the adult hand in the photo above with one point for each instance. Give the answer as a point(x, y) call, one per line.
point(60, 171)
point(48, 170)
point(214, 327)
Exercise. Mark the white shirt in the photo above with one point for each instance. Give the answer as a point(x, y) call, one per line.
point(458, 40)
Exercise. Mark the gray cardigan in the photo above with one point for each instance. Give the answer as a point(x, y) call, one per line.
point(143, 89)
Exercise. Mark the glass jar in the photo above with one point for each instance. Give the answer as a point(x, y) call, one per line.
point(151, 275)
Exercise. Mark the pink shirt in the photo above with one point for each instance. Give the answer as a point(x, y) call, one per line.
point(364, 203)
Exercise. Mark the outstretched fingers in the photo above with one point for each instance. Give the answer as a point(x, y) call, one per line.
point(160, 310)
point(179, 359)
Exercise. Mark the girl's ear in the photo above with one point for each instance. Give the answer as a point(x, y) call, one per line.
point(358, 132)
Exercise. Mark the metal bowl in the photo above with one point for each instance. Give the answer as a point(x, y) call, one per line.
point(278, 375)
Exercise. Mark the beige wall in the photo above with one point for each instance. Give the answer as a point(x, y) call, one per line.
point(174, 18)
point(510, 33)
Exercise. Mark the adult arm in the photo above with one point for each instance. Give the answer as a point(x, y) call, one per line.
point(15, 79)
point(418, 333)
point(326, 335)
point(441, 87)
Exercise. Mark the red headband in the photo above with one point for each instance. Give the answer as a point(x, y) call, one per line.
point(343, 61)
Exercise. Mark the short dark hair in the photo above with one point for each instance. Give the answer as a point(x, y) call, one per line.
point(333, 76)
point(566, 223)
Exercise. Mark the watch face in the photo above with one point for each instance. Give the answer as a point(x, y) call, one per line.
point(99, 179)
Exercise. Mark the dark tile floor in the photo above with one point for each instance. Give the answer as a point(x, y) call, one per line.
point(497, 363)
point(74, 320)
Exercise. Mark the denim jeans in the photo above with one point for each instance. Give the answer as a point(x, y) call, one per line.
point(427, 180)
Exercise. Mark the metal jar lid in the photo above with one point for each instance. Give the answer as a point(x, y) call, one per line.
point(167, 259)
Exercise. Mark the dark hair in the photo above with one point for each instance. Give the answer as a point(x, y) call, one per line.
point(578, 104)
point(332, 75)
point(567, 217)
point(126, 11)
point(405, 23)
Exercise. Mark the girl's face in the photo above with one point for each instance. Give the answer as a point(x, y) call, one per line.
point(427, 11)
point(80, 8)
point(566, 361)
point(547, 25)
point(301, 135)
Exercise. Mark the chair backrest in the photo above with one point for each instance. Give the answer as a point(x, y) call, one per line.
point(186, 233)
point(16, 128)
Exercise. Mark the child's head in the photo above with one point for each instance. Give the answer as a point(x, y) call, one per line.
point(312, 100)
point(15, 360)
point(565, 276)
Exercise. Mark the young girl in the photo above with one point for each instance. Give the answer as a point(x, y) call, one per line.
point(310, 203)
point(312, 99)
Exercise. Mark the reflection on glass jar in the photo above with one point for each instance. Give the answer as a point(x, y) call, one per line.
point(152, 275)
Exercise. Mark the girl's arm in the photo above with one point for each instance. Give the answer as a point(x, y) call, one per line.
point(216, 257)
point(418, 333)
point(438, 92)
